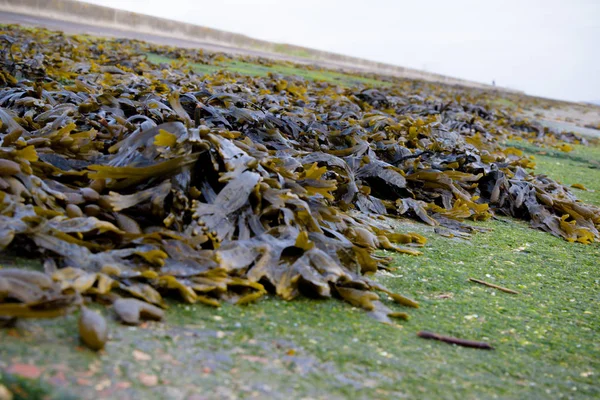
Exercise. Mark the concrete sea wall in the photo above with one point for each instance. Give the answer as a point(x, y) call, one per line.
point(90, 14)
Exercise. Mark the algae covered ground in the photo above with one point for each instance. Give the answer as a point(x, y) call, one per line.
point(253, 69)
point(545, 337)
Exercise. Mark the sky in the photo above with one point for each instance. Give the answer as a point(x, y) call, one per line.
point(547, 48)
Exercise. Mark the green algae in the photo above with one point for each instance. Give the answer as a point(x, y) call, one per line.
point(252, 69)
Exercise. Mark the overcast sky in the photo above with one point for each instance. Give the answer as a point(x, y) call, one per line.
point(547, 48)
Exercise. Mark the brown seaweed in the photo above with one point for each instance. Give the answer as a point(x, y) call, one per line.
point(142, 181)
point(93, 330)
point(132, 311)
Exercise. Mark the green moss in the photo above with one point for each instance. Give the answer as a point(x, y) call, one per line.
point(251, 69)
point(579, 166)
point(503, 102)
point(544, 337)
point(286, 49)
point(30, 389)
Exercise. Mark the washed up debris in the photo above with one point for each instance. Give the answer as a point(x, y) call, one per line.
point(138, 181)
point(503, 289)
point(132, 311)
point(93, 330)
point(580, 187)
point(456, 341)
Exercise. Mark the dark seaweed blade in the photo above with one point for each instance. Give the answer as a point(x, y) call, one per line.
point(140, 181)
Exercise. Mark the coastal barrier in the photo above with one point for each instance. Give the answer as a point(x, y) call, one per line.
point(94, 15)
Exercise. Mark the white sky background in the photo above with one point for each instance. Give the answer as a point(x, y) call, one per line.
point(548, 48)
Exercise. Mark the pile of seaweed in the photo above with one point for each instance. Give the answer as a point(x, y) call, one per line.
point(137, 181)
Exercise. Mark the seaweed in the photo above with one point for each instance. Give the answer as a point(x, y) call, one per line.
point(135, 181)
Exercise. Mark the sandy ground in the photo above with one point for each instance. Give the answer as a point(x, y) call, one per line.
point(583, 119)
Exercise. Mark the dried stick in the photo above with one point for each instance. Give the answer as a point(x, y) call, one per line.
point(457, 341)
point(494, 286)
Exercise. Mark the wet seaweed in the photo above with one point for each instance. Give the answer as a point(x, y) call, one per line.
point(135, 181)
